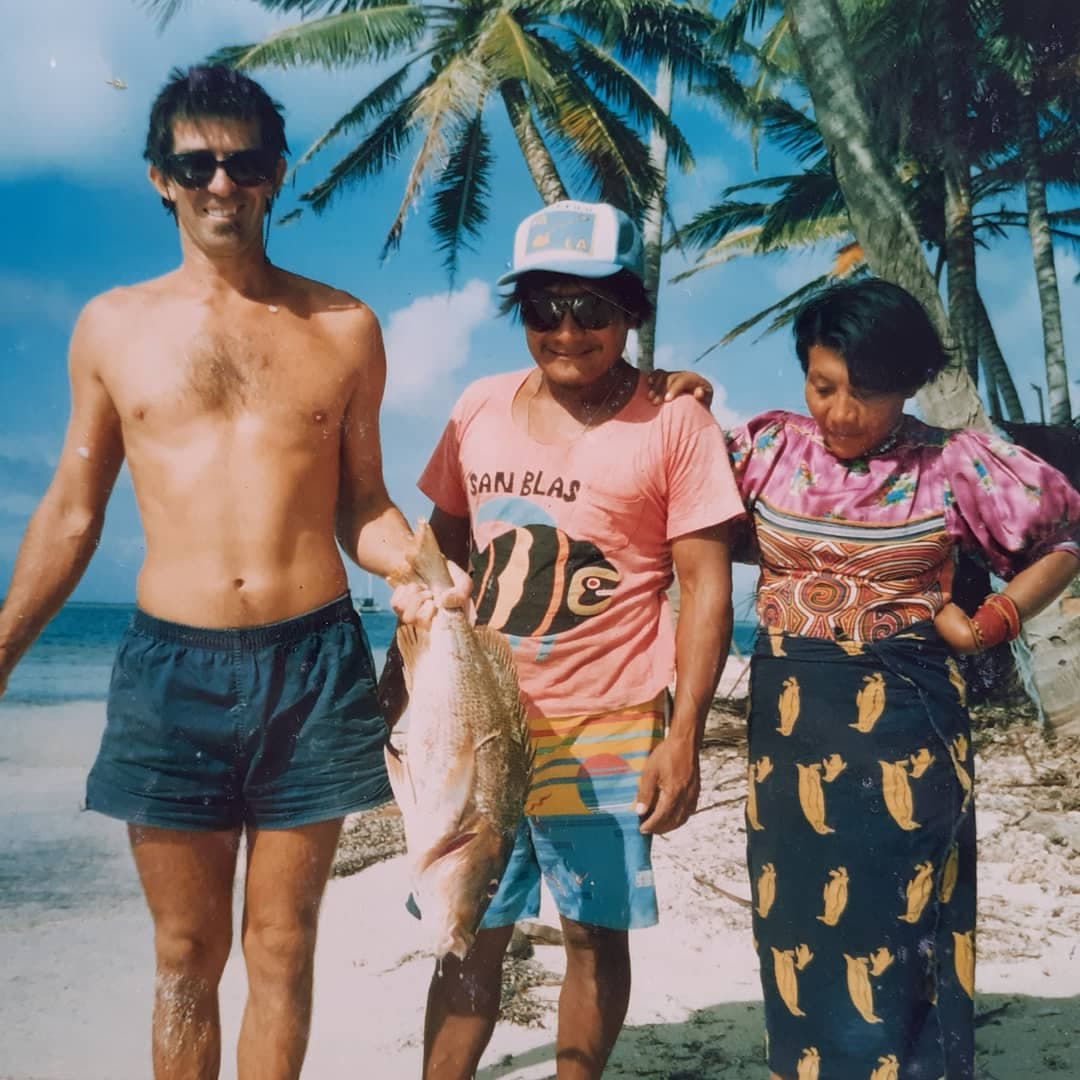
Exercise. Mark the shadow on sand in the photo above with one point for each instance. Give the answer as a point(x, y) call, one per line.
point(1017, 1036)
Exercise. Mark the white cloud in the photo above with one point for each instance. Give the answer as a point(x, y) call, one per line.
point(429, 340)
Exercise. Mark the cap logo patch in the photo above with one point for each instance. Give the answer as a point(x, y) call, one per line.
point(570, 232)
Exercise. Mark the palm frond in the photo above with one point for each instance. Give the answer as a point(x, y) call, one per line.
point(645, 33)
point(382, 146)
point(460, 202)
point(375, 103)
point(791, 129)
point(340, 40)
point(608, 154)
point(456, 94)
point(712, 225)
point(625, 92)
point(512, 52)
point(781, 312)
point(810, 197)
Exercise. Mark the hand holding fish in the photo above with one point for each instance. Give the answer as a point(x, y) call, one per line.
point(669, 786)
point(415, 603)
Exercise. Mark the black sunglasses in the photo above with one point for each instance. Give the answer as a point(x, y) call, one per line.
point(195, 169)
point(589, 310)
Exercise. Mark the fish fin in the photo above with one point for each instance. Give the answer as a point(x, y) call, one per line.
point(497, 649)
point(410, 647)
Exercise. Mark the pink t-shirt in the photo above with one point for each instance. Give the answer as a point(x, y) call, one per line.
point(572, 541)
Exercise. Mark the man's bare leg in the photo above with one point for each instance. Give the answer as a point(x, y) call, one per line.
point(462, 1007)
point(187, 878)
point(594, 998)
point(286, 874)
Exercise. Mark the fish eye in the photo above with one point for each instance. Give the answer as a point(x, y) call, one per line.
point(493, 887)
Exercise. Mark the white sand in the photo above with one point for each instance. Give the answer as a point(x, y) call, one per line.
point(75, 980)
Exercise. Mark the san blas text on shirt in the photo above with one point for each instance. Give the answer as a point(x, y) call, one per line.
point(532, 483)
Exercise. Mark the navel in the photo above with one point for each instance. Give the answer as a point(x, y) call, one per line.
point(238, 583)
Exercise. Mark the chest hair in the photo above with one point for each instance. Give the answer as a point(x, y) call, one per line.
point(225, 373)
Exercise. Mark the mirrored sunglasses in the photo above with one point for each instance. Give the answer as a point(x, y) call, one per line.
point(196, 168)
point(588, 310)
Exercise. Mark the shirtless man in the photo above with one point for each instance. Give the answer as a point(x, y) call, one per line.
point(246, 401)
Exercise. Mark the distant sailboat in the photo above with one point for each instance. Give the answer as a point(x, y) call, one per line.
point(368, 603)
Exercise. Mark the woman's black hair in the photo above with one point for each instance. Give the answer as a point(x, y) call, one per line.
point(624, 287)
point(882, 332)
point(212, 91)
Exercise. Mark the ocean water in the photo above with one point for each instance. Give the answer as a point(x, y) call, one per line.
point(72, 659)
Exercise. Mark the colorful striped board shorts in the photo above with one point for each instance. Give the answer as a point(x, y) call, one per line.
point(580, 833)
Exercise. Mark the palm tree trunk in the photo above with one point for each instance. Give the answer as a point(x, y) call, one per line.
point(537, 157)
point(873, 194)
point(1042, 249)
point(952, 95)
point(994, 365)
point(960, 266)
point(653, 227)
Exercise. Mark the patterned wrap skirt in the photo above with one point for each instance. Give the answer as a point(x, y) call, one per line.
point(861, 850)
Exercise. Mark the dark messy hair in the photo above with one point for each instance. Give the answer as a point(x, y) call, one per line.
point(217, 92)
point(624, 287)
point(882, 332)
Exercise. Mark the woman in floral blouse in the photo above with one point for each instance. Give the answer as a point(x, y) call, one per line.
point(860, 819)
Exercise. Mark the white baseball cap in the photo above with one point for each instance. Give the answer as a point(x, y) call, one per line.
point(590, 240)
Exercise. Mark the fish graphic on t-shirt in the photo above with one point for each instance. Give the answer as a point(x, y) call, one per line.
point(535, 581)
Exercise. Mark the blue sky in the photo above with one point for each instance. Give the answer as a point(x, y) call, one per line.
point(78, 216)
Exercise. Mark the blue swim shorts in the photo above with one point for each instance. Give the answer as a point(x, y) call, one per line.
point(269, 726)
point(597, 867)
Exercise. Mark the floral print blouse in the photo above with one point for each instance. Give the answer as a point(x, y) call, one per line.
point(861, 548)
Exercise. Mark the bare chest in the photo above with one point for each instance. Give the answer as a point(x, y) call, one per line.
point(215, 372)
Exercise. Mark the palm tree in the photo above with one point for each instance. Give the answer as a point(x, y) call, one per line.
point(905, 98)
point(574, 107)
point(1035, 45)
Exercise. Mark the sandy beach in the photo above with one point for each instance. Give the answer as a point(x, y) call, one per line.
point(76, 975)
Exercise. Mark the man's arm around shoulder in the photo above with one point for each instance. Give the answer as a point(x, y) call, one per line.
point(64, 529)
point(670, 782)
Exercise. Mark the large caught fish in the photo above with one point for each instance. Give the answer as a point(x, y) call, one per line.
point(464, 771)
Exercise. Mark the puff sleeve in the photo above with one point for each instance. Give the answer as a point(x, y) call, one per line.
point(754, 448)
point(1006, 506)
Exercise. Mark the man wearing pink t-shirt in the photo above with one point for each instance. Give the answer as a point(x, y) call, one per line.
point(573, 495)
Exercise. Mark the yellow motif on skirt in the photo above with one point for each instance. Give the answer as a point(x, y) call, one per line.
point(758, 770)
point(888, 1068)
point(766, 889)
point(870, 701)
point(918, 892)
point(811, 794)
point(836, 896)
point(809, 1065)
point(785, 963)
point(789, 705)
point(949, 874)
point(859, 970)
point(964, 960)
